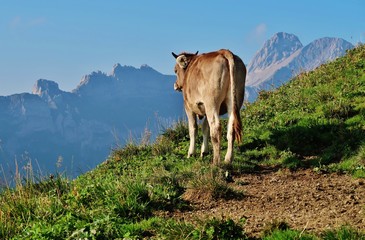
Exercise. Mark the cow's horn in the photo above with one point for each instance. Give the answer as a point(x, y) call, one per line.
point(196, 52)
point(173, 54)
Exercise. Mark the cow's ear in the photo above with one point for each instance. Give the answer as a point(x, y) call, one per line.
point(182, 61)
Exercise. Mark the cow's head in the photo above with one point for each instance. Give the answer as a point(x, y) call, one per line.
point(182, 63)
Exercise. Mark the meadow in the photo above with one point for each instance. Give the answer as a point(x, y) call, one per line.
point(315, 124)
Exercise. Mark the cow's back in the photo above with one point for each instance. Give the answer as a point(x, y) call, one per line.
point(206, 81)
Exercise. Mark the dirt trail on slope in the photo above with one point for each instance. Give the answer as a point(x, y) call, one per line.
point(305, 200)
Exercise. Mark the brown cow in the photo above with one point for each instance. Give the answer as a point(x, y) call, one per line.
point(212, 84)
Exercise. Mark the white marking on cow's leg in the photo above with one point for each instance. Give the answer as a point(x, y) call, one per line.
point(230, 139)
point(205, 145)
point(193, 130)
point(215, 135)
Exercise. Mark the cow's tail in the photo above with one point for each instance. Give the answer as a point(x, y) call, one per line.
point(237, 122)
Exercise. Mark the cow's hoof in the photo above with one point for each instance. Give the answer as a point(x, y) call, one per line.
point(204, 154)
point(228, 177)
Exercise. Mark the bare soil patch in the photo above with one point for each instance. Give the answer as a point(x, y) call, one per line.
point(304, 199)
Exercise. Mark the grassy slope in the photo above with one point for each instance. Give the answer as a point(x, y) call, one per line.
point(316, 121)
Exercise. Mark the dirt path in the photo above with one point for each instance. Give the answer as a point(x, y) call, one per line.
point(305, 200)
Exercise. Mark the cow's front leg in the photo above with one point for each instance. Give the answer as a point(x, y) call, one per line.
point(193, 131)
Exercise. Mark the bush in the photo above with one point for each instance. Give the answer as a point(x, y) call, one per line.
point(344, 232)
point(219, 229)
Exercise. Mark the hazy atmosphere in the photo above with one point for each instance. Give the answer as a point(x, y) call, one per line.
point(95, 143)
point(63, 41)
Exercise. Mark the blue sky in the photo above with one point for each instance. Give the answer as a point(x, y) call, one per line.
point(64, 40)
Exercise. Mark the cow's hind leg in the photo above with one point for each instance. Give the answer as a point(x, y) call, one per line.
point(215, 135)
point(205, 145)
point(230, 138)
point(193, 131)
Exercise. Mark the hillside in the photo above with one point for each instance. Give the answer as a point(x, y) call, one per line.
point(299, 174)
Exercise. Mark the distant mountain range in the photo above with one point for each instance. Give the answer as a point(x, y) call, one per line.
point(283, 56)
point(74, 131)
point(77, 130)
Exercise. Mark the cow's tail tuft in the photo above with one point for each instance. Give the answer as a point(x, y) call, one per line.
point(237, 125)
point(237, 122)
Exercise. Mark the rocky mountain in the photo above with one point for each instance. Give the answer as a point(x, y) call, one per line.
point(283, 56)
point(74, 131)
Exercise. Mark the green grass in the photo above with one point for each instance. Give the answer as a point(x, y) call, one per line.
point(315, 121)
point(118, 199)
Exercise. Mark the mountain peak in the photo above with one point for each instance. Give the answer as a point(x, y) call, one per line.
point(283, 35)
point(119, 69)
point(45, 87)
point(322, 50)
point(146, 67)
point(127, 73)
point(330, 43)
point(275, 50)
point(95, 82)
